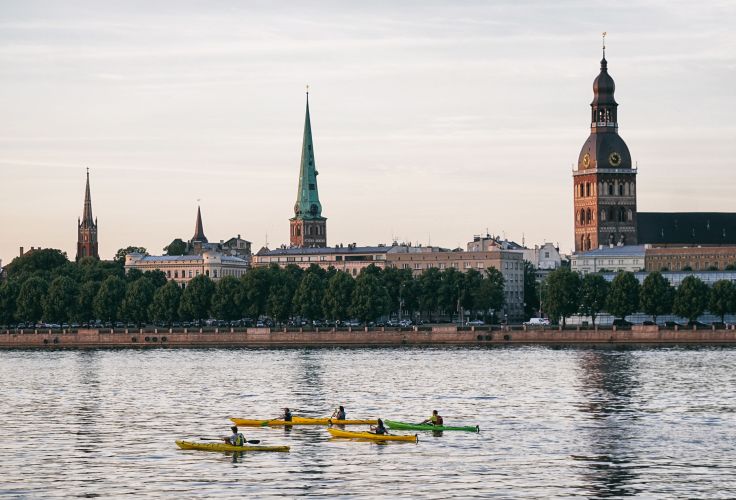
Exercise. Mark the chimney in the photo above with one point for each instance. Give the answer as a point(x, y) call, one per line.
point(21, 251)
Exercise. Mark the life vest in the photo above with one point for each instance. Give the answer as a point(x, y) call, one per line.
point(438, 420)
point(239, 439)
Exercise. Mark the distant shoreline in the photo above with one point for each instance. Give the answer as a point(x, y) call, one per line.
point(435, 335)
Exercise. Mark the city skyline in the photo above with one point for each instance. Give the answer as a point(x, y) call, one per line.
point(406, 148)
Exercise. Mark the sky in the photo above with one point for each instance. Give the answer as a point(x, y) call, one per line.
point(433, 121)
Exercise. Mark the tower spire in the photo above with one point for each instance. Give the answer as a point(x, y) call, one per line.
point(87, 227)
point(87, 219)
point(199, 236)
point(604, 45)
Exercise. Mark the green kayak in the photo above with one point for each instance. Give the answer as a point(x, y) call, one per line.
point(392, 424)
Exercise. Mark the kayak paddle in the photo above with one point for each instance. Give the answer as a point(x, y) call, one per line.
point(250, 441)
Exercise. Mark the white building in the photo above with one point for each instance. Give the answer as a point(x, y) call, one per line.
point(546, 258)
point(614, 259)
point(182, 268)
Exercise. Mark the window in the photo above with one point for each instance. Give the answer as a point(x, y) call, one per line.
point(214, 273)
point(610, 189)
point(190, 273)
point(480, 265)
point(311, 186)
point(176, 274)
point(442, 265)
point(168, 274)
point(417, 265)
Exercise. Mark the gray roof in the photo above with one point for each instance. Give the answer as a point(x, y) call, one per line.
point(324, 251)
point(187, 258)
point(617, 251)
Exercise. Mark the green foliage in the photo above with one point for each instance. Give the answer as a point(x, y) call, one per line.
point(176, 247)
point(338, 296)
point(156, 277)
point(197, 298)
point(227, 302)
point(593, 294)
point(429, 284)
point(281, 292)
point(106, 304)
point(722, 298)
point(691, 298)
point(133, 275)
point(623, 298)
point(561, 294)
point(450, 288)
point(42, 263)
point(256, 290)
point(472, 284)
point(396, 281)
point(60, 302)
point(137, 301)
point(370, 298)
point(85, 300)
point(8, 299)
point(29, 306)
point(121, 253)
point(165, 306)
point(657, 295)
point(491, 295)
point(531, 290)
point(309, 294)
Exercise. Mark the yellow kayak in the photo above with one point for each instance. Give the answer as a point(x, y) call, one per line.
point(370, 436)
point(247, 422)
point(188, 445)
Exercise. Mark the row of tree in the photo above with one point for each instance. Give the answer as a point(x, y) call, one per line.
point(566, 293)
point(44, 285)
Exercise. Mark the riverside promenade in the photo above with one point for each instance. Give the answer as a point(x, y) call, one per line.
point(295, 337)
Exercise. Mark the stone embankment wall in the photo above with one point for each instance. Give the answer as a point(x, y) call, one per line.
point(438, 335)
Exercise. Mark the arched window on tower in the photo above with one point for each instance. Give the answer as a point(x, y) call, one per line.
point(621, 189)
point(587, 189)
point(588, 216)
point(611, 215)
point(629, 215)
point(603, 215)
point(610, 189)
point(621, 214)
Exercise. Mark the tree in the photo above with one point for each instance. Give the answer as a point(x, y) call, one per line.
point(197, 298)
point(165, 306)
point(491, 295)
point(156, 277)
point(562, 292)
point(338, 296)
point(370, 298)
point(429, 284)
point(451, 284)
point(137, 301)
point(471, 284)
point(8, 299)
point(256, 290)
point(122, 252)
point(106, 304)
point(227, 303)
point(656, 295)
point(308, 296)
point(722, 298)
point(60, 302)
point(395, 281)
point(133, 275)
point(85, 300)
point(176, 247)
point(531, 290)
point(691, 298)
point(41, 263)
point(593, 295)
point(281, 292)
point(30, 299)
point(623, 297)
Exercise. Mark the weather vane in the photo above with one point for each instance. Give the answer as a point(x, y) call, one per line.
point(307, 88)
point(604, 43)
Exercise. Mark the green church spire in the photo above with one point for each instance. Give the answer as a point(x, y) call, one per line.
point(307, 201)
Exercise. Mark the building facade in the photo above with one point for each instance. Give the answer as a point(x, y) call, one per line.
point(308, 228)
point(87, 228)
point(614, 259)
point(604, 182)
point(698, 258)
point(182, 268)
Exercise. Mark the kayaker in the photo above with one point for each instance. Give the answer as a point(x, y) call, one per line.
point(287, 415)
point(379, 428)
point(339, 414)
point(237, 438)
point(435, 419)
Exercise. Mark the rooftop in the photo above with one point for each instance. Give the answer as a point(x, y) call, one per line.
point(616, 251)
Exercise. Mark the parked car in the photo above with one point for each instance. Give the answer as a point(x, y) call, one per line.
point(537, 322)
point(475, 322)
point(352, 322)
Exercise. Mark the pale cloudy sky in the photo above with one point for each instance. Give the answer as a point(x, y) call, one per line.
point(431, 119)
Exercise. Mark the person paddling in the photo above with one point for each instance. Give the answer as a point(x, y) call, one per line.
point(236, 439)
point(379, 428)
point(435, 419)
point(339, 414)
point(287, 415)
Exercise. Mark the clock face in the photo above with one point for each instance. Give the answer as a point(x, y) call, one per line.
point(614, 159)
point(586, 160)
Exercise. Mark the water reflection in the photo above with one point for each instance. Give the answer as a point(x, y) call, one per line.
point(608, 383)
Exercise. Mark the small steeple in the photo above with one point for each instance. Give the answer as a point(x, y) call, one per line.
point(87, 220)
point(199, 236)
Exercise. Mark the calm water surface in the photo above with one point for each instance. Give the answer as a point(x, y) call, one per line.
point(554, 422)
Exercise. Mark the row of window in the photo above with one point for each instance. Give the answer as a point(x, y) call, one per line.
point(586, 216)
point(586, 189)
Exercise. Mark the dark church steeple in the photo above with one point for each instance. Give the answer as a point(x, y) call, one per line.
point(199, 236)
point(87, 228)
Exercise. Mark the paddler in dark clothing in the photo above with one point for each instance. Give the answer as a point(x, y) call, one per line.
point(339, 414)
point(435, 419)
point(287, 415)
point(379, 428)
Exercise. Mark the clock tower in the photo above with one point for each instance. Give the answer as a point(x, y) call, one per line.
point(604, 182)
point(308, 228)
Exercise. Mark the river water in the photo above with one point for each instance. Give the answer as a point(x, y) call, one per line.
point(554, 422)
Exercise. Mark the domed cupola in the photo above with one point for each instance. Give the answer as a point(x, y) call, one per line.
point(603, 87)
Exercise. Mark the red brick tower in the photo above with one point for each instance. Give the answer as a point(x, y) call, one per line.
point(87, 229)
